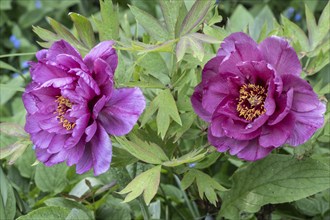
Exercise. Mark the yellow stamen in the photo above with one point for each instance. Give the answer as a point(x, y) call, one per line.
point(63, 106)
point(251, 101)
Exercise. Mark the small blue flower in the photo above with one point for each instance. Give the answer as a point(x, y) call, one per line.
point(191, 165)
point(14, 75)
point(297, 17)
point(15, 41)
point(38, 4)
point(217, 1)
point(34, 147)
point(25, 65)
point(289, 12)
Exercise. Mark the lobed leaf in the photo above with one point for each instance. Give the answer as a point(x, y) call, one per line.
point(147, 152)
point(195, 16)
point(150, 24)
point(146, 183)
point(187, 158)
point(108, 27)
point(84, 29)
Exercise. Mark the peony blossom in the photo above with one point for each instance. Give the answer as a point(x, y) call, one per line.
point(72, 106)
point(254, 99)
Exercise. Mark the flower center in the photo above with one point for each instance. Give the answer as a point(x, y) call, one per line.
point(63, 106)
point(251, 101)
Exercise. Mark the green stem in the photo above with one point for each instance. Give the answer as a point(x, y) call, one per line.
point(192, 208)
point(17, 54)
point(144, 209)
point(169, 204)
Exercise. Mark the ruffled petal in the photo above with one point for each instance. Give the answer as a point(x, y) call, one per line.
point(42, 72)
point(122, 111)
point(278, 52)
point(103, 73)
point(61, 47)
point(283, 105)
point(196, 101)
point(243, 52)
point(85, 162)
point(211, 69)
point(104, 51)
point(306, 124)
point(101, 151)
point(276, 135)
point(253, 151)
point(40, 100)
point(214, 92)
point(257, 72)
point(228, 44)
point(224, 143)
point(75, 153)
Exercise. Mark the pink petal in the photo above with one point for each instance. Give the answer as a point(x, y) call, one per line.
point(278, 52)
point(122, 111)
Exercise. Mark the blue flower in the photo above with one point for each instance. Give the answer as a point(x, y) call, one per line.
point(15, 41)
point(289, 12)
point(297, 17)
point(38, 4)
point(25, 65)
point(191, 165)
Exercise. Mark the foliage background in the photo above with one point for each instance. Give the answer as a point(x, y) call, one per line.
point(171, 147)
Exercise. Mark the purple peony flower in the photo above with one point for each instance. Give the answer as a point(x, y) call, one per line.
point(254, 99)
point(72, 106)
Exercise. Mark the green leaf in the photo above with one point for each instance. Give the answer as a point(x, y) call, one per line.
point(177, 131)
point(313, 31)
point(240, 19)
point(195, 16)
point(84, 29)
point(170, 10)
point(45, 35)
point(115, 208)
point(6, 66)
point(265, 16)
point(65, 34)
point(275, 179)
point(13, 129)
point(318, 62)
point(62, 31)
point(108, 27)
point(181, 48)
point(24, 163)
point(187, 158)
point(51, 179)
point(150, 24)
point(47, 213)
point(15, 150)
point(146, 183)
point(313, 206)
point(167, 109)
point(206, 184)
point(182, 14)
point(70, 204)
point(296, 33)
point(77, 214)
point(147, 152)
point(8, 90)
point(324, 22)
point(31, 17)
point(121, 158)
point(7, 200)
